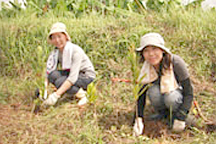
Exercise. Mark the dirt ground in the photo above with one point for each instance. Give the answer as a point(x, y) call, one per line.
point(12, 114)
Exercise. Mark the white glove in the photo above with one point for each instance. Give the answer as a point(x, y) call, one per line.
point(138, 127)
point(52, 99)
point(178, 125)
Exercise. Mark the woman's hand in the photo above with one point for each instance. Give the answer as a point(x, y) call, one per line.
point(178, 126)
point(52, 99)
point(138, 126)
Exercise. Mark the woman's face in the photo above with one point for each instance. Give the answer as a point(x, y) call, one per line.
point(153, 55)
point(59, 40)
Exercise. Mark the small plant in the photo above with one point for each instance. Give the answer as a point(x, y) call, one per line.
point(91, 92)
point(132, 57)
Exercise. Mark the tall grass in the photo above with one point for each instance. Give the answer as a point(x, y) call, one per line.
point(107, 37)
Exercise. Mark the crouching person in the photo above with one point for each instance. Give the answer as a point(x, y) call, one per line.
point(69, 69)
point(170, 90)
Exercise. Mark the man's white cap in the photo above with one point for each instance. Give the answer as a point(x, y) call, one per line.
point(152, 39)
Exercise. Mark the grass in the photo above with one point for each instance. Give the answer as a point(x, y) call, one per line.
point(106, 39)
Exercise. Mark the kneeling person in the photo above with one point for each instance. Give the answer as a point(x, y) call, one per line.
point(170, 91)
point(76, 71)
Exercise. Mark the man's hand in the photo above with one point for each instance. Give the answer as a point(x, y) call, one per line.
point(52, 99)
point(138, 126)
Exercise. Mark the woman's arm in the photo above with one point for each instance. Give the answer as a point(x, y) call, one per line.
point(187, 99)
point(74, 72)
point(64, 87)
point(141, 103)
point(183, 78)
point(76, 66)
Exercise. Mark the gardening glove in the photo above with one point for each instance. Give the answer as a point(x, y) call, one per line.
point(81, 94)
point(52, 99)
point(138, 127)
point(178, 126)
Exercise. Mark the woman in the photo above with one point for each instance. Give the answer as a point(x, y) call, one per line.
point(76, 71)
point(168, 83)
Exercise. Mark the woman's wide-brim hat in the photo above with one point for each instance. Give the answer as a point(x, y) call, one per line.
point(152, 39)
point(58, 27)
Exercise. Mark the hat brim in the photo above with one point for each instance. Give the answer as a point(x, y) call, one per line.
point(57, 31)
point(160, 46)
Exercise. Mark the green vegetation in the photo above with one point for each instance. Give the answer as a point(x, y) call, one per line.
point(106, 30)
